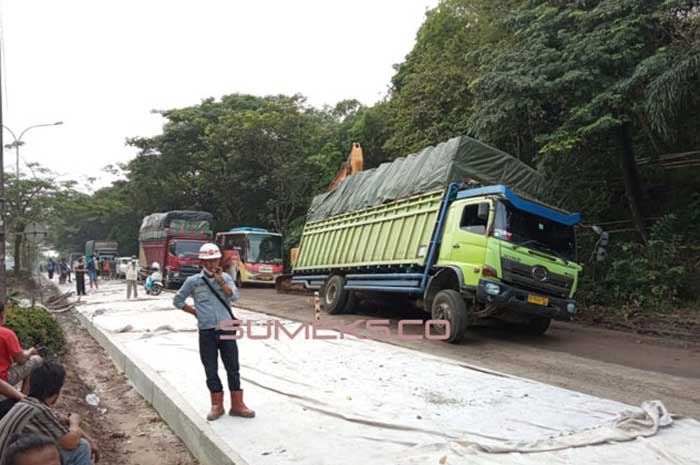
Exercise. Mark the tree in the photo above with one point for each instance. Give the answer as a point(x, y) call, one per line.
point(569, 78)
point(30, 200)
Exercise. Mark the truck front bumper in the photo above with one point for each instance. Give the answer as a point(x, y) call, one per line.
point(177, 278)
point(507, 297)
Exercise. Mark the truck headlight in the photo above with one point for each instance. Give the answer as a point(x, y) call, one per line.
point(571, 308)
point(492, 289)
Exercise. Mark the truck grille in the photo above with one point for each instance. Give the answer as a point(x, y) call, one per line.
point(522, 276)
point(190, 269)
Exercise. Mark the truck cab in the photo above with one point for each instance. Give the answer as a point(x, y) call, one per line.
point(251, 255)
point(513, 258)
point(182, 260)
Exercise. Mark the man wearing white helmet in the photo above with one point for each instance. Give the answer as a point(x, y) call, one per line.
point(213, 291)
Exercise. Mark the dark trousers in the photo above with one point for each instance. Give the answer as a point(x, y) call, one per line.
point(80, 283)
point(50, 274)
point(210, 346)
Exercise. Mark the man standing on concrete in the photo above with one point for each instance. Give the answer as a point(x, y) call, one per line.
point(132, 274)
point(79, 270)
point(213, 291)
point(50, 267)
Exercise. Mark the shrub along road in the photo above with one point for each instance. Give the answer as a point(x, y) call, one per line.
point(611, 364)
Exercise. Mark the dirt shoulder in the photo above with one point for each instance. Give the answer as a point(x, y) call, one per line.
point(673, 325)
point(127, 429)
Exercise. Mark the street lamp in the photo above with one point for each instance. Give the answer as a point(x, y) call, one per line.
point(18, 140)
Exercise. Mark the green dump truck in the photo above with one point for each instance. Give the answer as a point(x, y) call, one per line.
point(453, 227)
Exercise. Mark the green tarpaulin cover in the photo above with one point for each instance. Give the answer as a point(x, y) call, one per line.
point(458, 160)
point(159, 225)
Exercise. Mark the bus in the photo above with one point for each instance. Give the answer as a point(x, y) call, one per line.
point(251, 255)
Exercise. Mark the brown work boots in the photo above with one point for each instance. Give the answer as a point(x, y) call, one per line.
point(217, 406)
point(238, 407)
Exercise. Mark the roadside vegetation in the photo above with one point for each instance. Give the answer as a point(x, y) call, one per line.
point(601, 95)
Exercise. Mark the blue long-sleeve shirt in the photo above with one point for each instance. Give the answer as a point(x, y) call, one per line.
point(210, 310)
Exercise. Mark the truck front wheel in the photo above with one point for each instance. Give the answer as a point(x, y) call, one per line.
point(334, 296)
point(449, 305)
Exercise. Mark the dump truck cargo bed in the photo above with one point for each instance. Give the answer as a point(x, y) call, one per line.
point(393, 234)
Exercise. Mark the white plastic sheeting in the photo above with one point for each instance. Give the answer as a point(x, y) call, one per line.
point(356, 401)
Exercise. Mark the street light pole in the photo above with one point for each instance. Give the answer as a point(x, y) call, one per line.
point(18, 140)
point(3, 282)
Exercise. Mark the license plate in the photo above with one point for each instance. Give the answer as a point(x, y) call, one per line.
point(537, 300)
point(266, 269)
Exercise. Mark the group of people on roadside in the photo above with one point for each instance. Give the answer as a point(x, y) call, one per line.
point(32, 430)
point(80, 268)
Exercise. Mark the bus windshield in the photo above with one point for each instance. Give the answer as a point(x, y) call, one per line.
point(263, 248)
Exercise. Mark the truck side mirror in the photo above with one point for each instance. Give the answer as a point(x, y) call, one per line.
point(483, 211)
point(601, 251)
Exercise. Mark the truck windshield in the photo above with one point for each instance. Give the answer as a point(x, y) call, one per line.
point(187, 249)
point(534, 232)
point(264, 249)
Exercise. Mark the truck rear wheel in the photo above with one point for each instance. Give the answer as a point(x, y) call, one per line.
point(449, 305)
point(334, 296)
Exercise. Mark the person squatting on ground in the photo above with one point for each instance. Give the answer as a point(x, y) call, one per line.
point(32, 449)
point(132, 274)
point(35, 414)
point(15, 363)
point(213, 291)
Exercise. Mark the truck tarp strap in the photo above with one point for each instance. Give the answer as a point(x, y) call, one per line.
point(218, 296)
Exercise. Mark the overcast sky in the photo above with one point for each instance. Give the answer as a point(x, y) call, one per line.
point(101, 67)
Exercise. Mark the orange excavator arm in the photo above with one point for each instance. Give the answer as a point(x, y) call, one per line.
point(353, 164)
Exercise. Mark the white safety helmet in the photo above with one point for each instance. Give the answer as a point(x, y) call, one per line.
point(155, 266)
point(209, 251)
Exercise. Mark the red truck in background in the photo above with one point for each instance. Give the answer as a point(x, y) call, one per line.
point(172, 240)
point(251, 255)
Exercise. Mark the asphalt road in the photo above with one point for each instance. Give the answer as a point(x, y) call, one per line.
point(610, 364)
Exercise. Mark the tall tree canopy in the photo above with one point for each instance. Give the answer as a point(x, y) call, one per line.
point(581, 89)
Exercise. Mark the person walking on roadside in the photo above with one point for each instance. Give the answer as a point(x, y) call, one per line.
point(62, 271)
point(92, 271)
point(132, 275)
point(106, 270)
point(50, 267)
point(213, 291)
point(79, 270)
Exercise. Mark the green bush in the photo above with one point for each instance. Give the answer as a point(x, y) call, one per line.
point(652, 276)
point(35, 327)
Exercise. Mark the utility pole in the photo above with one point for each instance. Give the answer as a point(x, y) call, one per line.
point(3, 281)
